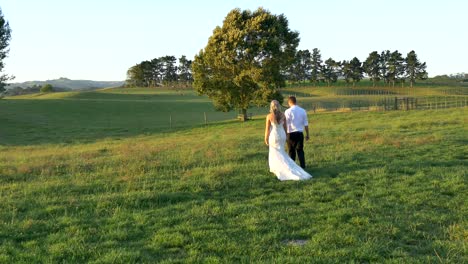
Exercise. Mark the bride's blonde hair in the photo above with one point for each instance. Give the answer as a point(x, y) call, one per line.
point(275, 109)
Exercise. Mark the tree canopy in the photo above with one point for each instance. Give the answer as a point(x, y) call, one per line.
point(372, 66)
point(47, 88)
point(414, 68)
point(389, 66)
point(330, 70)
point(243, 62)
point(316, 64)
point(352, 70)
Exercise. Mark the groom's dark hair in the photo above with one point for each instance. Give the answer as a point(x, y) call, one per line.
point(292, 99)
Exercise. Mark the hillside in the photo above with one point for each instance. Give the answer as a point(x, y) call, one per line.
point(65, 83)
point(101, 177)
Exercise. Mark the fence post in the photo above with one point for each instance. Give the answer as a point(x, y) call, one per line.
point(204, 114)
point(170, 121)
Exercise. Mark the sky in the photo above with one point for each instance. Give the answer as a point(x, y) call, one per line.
point(101, 39)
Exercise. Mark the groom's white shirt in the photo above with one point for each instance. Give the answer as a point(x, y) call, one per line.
point(296, 119)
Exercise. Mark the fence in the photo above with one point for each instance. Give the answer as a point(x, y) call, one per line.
point(376, 103)
point(344, 100)
point(380, 98)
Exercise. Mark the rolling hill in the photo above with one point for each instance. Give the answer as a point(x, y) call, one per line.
point(69, 84)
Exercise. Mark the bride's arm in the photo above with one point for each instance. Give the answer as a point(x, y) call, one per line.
point(267, 129)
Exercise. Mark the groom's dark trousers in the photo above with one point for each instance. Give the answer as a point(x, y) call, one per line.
point(295, 142)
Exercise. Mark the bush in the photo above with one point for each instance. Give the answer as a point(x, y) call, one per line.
point(47, 88)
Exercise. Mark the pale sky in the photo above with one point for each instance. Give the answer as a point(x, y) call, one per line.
point(101, 39)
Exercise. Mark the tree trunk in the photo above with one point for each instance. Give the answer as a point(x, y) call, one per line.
point(244, 115)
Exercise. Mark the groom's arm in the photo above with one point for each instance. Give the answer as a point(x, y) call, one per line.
point(306, 125)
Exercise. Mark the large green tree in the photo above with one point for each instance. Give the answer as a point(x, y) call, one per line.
point(242, 63)
point(415, 70)
point(372, 67)
point(5, 36)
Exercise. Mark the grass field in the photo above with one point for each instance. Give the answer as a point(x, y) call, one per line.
point(86, 116)
point(94, 177)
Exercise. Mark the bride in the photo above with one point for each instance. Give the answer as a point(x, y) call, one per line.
point(275, 137)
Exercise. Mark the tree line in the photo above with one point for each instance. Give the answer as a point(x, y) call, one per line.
point(46, 88)
point(162, 71)
point(391, 67)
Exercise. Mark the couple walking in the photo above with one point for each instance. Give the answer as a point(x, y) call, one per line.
point(294, 121)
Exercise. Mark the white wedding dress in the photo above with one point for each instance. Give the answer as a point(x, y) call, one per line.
point(280, 163)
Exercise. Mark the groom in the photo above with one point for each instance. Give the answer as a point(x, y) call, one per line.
point(296, 120)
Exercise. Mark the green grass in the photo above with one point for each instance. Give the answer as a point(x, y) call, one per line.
point(110, 113)
point(388, 187)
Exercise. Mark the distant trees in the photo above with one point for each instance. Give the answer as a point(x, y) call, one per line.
point(17, 90)
point(384, 72)
point(185, 70)
point(372, 67)
point(391, 67)
point(415, 70)
point(330, 71)
point(460, 75)
point(300, 68)
point(245, 59)
point(316, 65)
point(5, 36)
point(352, 71)
point(162, 71)
point(47, 88)
point(395, 67)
